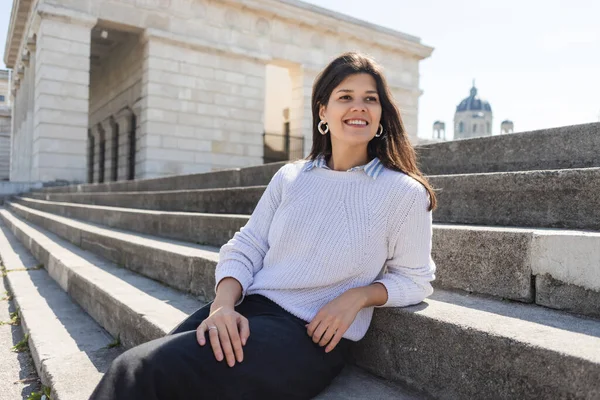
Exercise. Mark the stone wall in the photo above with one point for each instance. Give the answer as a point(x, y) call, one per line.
point(200, 110)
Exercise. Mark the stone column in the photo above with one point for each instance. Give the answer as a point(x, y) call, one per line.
point(300, 112)
point(110, 130)
point(61, 95)
point(134, 151)
point(22, 122)
point(91, 146)
point(124, 121)
point(99, 141)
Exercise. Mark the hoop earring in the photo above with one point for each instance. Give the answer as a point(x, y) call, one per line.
point(320, 127)
point(380, 131)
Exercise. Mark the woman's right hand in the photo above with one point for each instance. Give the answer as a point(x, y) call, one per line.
point(231, 334)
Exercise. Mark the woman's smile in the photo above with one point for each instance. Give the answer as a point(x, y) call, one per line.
point(356, 123)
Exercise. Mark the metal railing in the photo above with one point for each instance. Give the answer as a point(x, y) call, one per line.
point(282, 147)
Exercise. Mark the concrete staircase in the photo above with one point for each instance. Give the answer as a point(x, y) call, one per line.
point(515, 315)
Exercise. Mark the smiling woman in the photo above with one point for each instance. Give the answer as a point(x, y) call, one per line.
point(332, 237)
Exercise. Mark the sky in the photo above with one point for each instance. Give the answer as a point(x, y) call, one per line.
point(536, 62)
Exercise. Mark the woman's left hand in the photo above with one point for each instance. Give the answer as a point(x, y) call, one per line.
point(334, 319)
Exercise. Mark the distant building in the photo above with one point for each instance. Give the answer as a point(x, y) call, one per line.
point(473, 117)
point(439, 130)
point(5, 124)
point(507, 126)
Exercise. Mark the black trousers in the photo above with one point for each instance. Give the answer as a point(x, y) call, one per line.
point(280, 362)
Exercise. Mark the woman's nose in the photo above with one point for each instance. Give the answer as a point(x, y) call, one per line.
point(359, 106)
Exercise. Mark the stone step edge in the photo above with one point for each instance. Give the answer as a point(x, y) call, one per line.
point(446, 225)
point(476, 175)
point(238, 175)
point(544, 245)
point(28, 199)
point(70, 368)
point(35, 240)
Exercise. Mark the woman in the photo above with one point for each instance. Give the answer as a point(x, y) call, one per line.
point(333, 236)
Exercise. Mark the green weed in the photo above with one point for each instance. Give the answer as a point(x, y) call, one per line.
point(15, 318)
point(115, 343)
point(40, 395)
point(23, 344)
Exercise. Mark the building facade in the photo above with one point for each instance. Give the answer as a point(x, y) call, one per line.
point(119, 89)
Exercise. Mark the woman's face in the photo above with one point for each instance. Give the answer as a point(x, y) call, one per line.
point(353, 111)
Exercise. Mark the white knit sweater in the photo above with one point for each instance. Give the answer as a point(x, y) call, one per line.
point(317, 233)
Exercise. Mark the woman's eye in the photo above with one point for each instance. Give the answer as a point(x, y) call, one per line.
point(348, 97)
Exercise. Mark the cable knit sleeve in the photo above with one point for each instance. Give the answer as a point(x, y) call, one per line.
point(242, 256)
point(411, 268)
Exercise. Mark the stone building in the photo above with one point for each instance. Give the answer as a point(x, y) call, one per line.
point(119, 89)
point(5, 124)
point(473, 117)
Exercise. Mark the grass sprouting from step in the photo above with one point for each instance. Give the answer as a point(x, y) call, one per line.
point(15, 319)
point(115, 343)
point(7, 296)
point(44, 394)
point(22, 345)
point(37, 267)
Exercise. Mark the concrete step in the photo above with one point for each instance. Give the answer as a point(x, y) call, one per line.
point(235, 177)
point(461, 346)
point(206, 228)
point(187, 267)
point(238, 200)
point(453, 345)
point(576, 146)
point(500, 261)
point(550, 199)
point(138, 309)
point(70, 350)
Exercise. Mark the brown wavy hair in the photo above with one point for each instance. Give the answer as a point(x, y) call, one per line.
point(393, 148)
